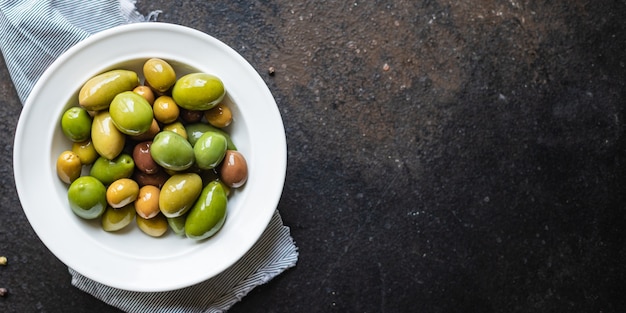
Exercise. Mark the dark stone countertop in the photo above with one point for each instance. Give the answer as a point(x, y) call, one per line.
point(444, 156)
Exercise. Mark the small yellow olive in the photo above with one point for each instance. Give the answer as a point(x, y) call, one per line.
point(155, 227)
point(85, 151)
point(177, 127)
point(219, 116)
point(122, 192)
point(165, 109)
point(115, 219)
point(145, 92)
point(68, 166)
point(147, 204)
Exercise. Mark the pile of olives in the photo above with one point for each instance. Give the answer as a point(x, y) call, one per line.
point(156, 153)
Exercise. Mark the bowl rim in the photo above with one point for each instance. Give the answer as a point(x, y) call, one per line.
point(271, 200)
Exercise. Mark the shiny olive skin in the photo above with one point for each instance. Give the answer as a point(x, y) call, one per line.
point(116, 219)
point(209, 150)
point(122, 192)
point(234, 169)
point(159, 74)
point(147, 204)
point(196, 130)
point(108, 171)
point(154, 129)
point(171, 151)
point(208, 214)
point(177, 224)
point(179, 193)
point(143, 159)
point(157, 179)
point(98, 92)
point(155, 227)
point(178, 128)
point(106, 138)
point(131, 113)
point(198, 91)
point(87, 197)
point(165, 109)
point(85, 151)
point(191, 116)
point(146, 93)
point(76, 124)
point(68, 166)
point(220, 116)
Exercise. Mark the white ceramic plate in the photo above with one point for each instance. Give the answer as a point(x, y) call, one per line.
point(131, 260)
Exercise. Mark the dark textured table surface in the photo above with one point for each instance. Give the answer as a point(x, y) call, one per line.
point(444, 156)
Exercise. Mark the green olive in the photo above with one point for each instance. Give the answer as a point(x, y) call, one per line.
point(115, 219)
point(172, 151)
point(107, 171)
point(76, 124)
point(179, 193)
point(177, 224)
point(208, 213)
point(155, 227)
point(198, 91)
point(209, 150)
point(159, 74)
point(106, 138)
point(87, 197)
point(98, 92)
point(131, 113)
point(196, 130)
point(68, 166)
point(122, 192)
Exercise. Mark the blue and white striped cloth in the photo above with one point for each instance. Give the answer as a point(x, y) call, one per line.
point(33, 33)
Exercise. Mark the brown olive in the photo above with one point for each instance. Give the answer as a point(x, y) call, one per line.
point(190, 116)
point(234, 169)
point(157, 179)
point(143, 159)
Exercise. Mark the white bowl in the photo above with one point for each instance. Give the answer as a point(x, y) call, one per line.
point(131, 260)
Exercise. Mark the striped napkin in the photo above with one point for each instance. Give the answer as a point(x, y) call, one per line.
point(33, 33)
